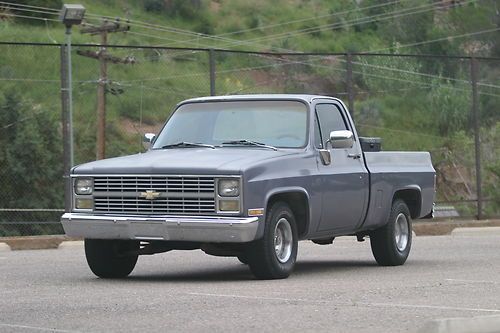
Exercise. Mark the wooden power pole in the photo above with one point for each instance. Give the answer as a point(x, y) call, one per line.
point(104, 57)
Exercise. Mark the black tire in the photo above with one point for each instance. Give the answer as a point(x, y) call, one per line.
point(280, 231)
point(391, 244)
point(111, 258)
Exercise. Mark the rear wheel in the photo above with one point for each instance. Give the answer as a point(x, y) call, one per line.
point(111, 258)
point(274, 256)
point(391, 244)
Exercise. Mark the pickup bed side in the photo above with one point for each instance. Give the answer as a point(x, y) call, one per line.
point(405, 175)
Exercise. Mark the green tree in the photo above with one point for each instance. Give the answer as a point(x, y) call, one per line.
point(30, 154)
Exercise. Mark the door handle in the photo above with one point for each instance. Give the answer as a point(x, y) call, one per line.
point(354, 156)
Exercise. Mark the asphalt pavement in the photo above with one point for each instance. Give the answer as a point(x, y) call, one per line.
point(335, 288)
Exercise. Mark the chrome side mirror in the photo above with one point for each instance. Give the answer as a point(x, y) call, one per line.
point(148, 139)
point(341, 139)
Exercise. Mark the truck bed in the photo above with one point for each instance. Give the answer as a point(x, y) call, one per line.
point(391, 172)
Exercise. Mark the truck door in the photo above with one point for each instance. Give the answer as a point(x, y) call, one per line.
point(345, 182)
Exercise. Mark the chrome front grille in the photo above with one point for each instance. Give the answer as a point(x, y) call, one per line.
point(177, 184)
point(157, 206)
point(177, 194)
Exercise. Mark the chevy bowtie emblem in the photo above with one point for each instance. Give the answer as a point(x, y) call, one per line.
point(150, 195)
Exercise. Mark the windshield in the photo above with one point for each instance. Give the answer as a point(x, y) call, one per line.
point(280, 124)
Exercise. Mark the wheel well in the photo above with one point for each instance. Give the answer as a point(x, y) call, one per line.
point(298, 203)
point(412, 198)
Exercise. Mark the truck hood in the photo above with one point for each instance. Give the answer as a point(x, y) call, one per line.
point(195, 161)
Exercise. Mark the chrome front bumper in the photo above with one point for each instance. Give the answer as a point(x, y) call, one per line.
point(214, 229)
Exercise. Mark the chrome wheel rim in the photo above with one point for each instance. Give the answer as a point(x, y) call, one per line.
point(401, 232)
point(283, 240)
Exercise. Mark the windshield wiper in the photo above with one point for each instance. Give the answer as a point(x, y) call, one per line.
point(185, 144)
point(249, 143)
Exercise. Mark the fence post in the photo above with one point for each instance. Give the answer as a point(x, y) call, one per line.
point(211, 56)
point(477, 141)
point(349, 85)
point(66, 127)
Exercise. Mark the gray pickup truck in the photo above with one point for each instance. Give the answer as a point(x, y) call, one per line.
point(249, 176)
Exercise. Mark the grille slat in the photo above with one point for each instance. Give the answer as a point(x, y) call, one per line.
point(178, 194)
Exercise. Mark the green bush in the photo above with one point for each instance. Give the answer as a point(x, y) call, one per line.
point(30, 135)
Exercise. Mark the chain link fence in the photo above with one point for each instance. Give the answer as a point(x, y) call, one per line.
point(412, 102)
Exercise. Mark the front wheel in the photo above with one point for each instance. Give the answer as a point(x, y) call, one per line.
point(111, 258)
point(274, 256)
point(391, 244)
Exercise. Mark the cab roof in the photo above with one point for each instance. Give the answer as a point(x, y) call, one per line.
point(300, 97)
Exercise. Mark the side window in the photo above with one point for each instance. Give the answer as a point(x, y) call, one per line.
point(330, 119)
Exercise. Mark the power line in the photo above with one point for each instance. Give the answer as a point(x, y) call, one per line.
point(33, 115)
point(30, 17)
point(29, 6)
point(407, 72)
point(365, 20)
point(152, 26)
point(386, 68)
point(27, 79)
point(438, 39)
point(54, 11)
point(162, 38)
point(308, 19)
point(285, 62)
point(131, 23)
point(276, 36)
point(27, 10)
point(186, 32)
point(308, 30)
point(173, 30)
point(401, 131)
point(313, 18)
point(489, 85)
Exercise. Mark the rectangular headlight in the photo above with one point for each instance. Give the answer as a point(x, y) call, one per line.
point(83, 186)
point(229, 187)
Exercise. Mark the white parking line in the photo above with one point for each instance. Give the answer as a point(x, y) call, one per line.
point(392, 305)
point(260, 297)
point(471, 281)
point(43, 329)
point(435, 307)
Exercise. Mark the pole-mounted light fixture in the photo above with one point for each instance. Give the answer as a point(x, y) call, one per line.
point(70, 15)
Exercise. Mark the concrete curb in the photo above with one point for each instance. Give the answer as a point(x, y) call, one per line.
point(439, 228)
point(483, 324)
point(4, 247)
point(485, 231)
point(71, 244)
point(35, 242)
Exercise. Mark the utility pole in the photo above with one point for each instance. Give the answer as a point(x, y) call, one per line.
point(104, 57)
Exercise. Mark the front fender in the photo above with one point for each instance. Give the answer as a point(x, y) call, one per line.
point(284, 190)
